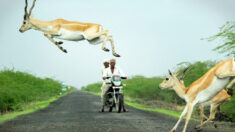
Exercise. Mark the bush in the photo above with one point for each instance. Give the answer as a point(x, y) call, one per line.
point(20, 88)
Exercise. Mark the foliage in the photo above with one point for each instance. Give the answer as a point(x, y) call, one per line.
point(198, 69)
point(147, 89)
point(19, 88)
point(228, 107)
point(95, 87)
point(227, 34)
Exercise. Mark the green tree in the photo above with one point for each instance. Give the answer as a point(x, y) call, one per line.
point(227, 35)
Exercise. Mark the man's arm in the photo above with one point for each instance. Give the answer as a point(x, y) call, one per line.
point(105, 73)
point(123, 75)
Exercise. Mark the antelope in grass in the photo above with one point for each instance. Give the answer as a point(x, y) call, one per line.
point(202, 90)
point(67, 30)
point(214, 103)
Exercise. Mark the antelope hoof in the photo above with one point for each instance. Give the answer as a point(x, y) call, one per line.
point(116, 55)
point(215, 126)
point(105, 49)
point(198, 128)
point(64, 50)
point(59, 43)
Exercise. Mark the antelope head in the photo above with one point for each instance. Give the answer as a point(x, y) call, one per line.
point(170, 80)
point(27, 16)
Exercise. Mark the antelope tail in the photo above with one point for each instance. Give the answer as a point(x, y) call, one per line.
point(230, 91)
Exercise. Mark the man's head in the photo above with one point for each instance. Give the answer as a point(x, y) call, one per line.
point(112, 63)
point(106, 63)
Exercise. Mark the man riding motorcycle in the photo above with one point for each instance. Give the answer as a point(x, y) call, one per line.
point(104, 87)
point(114, 70)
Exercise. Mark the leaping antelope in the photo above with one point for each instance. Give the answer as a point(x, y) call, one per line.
point(203, 89)
point(67, 30)
point(214, 103)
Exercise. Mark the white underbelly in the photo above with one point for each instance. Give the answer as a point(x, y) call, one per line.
point(216, 86)
point(70, 35)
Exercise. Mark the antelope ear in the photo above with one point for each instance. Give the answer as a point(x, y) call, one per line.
point(170, 73)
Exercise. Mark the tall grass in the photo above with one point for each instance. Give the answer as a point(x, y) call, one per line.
point(19, 88)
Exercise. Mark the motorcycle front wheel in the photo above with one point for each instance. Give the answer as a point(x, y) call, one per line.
point(119, 103)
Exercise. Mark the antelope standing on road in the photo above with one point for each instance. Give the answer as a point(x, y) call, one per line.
point(67, 30)
point(203, 89)
point(214, 103)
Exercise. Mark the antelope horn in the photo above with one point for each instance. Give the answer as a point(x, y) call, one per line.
point(177, 72)
point(25, 10)
point(30, 10)
point(185, 72)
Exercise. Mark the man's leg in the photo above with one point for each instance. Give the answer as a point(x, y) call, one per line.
point(102, 97)
point(105, 89)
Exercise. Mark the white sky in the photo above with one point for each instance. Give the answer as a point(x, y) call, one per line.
point(150, 35)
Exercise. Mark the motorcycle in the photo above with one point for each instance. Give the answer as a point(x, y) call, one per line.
point(114, 95)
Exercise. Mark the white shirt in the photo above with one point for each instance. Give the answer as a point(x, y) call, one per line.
point(103, 72)
point(116, 71)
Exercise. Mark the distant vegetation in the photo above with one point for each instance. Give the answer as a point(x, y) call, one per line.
point(227, 35)
point(146, 89)
point(18, 89)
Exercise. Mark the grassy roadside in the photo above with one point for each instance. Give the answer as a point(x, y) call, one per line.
point(23, 93)
point(32, 107)
point(147, 108)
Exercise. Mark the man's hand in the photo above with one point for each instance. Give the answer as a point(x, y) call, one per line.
point(105, 78)
point(123, 77)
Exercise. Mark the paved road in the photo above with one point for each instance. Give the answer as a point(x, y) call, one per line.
point(78, 112)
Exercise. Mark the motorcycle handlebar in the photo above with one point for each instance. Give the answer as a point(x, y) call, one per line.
point(121, 77)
